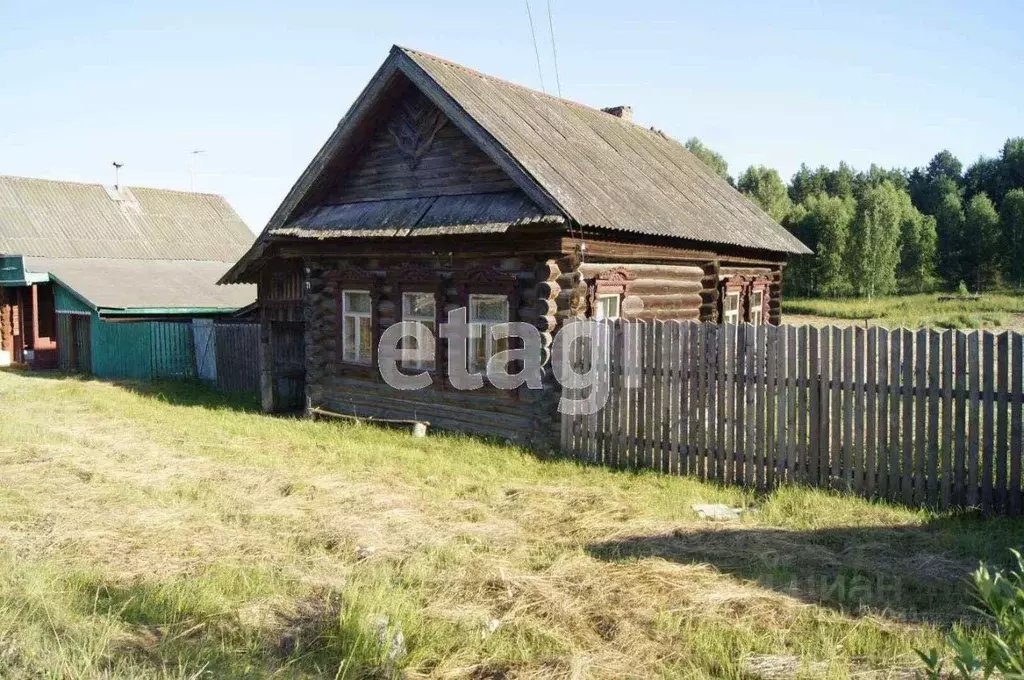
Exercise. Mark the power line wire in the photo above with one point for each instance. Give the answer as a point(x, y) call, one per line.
point(536, 51)
point(554, 50)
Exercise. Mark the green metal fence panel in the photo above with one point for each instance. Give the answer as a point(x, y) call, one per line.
point(172, 350)
point(143, 350)
point(122, 350)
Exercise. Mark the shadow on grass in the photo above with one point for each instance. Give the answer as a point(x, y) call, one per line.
point(911, 573)
point(181, 626)
point(174, 392)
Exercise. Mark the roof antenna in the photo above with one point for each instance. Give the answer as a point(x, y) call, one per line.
point(117, 174)
point(192, 168)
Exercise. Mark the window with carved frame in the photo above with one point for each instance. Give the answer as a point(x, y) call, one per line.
point(418, 298)
point(606, 291)
point(731, 307)
point(756, 299)
point(358, 297)
point(733, 300)
point(491, 297)
point(357, 326)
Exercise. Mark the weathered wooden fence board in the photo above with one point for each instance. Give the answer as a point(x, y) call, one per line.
point(237, 353)
point(927, 418)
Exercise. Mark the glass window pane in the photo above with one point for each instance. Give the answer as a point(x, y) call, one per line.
point(426, 359)
point(488, 308)
point(358, 302)
point(349, 344)
point(365, 340)
point(477, 352)
point(418, 305)
point(608, 307)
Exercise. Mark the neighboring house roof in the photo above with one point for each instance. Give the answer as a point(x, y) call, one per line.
point(47, 218)
point(125, 248)
point(575, 162)
point(145, 284)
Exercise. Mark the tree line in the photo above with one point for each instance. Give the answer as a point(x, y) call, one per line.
point(884, 231)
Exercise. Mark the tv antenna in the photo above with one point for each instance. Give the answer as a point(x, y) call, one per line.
point(192, 167)
point(117, 174)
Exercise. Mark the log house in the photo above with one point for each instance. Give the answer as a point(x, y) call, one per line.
point(443, 188)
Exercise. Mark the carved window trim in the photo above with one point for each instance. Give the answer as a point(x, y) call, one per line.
point(490, 281)
point(351, 278)
point(735, 285)
point(346, 293)
point(610, 282)
point(745, 286)
point(421, 279)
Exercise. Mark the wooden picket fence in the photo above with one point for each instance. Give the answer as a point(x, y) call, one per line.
point(930, 418)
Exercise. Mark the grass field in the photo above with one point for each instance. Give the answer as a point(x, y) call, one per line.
point(166, 532)
point(995, 311)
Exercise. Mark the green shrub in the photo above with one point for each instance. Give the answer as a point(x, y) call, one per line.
point(1000, 649)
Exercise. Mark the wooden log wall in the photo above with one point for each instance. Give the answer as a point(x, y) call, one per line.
point(527, 417)
point(657, 291)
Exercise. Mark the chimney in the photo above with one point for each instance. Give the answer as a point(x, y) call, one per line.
point(623, 112)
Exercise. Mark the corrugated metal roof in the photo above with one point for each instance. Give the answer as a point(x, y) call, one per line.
point(577, 162)
point(146, 284)
point(605, 171)
point(47, 218)
point(433, 216)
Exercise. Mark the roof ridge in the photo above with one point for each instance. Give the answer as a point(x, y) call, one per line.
point(102, 185)
point(571, 102)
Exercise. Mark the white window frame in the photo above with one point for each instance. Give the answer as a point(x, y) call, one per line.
point(599, 308)
point(757, 311)
point(425, 363)
point(477, 327)
point(361, 318)
point(731, 315)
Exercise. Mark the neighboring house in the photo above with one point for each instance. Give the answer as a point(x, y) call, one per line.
point(443, 187)
point(76, 257)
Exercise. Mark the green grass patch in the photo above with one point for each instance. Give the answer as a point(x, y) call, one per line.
point(993, 310)
point(162, 531)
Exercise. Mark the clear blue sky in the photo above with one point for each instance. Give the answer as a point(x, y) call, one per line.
point(260, 85)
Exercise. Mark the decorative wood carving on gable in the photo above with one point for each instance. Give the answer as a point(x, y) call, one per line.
point(413, 127)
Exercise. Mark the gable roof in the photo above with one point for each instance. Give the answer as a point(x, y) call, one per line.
point(46, 218)
point(604, 171)
point(573, 161)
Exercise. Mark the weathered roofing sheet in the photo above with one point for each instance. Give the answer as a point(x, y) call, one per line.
point(146, 284)
point(605, 171)
point(436, 215)
point(72, 220)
